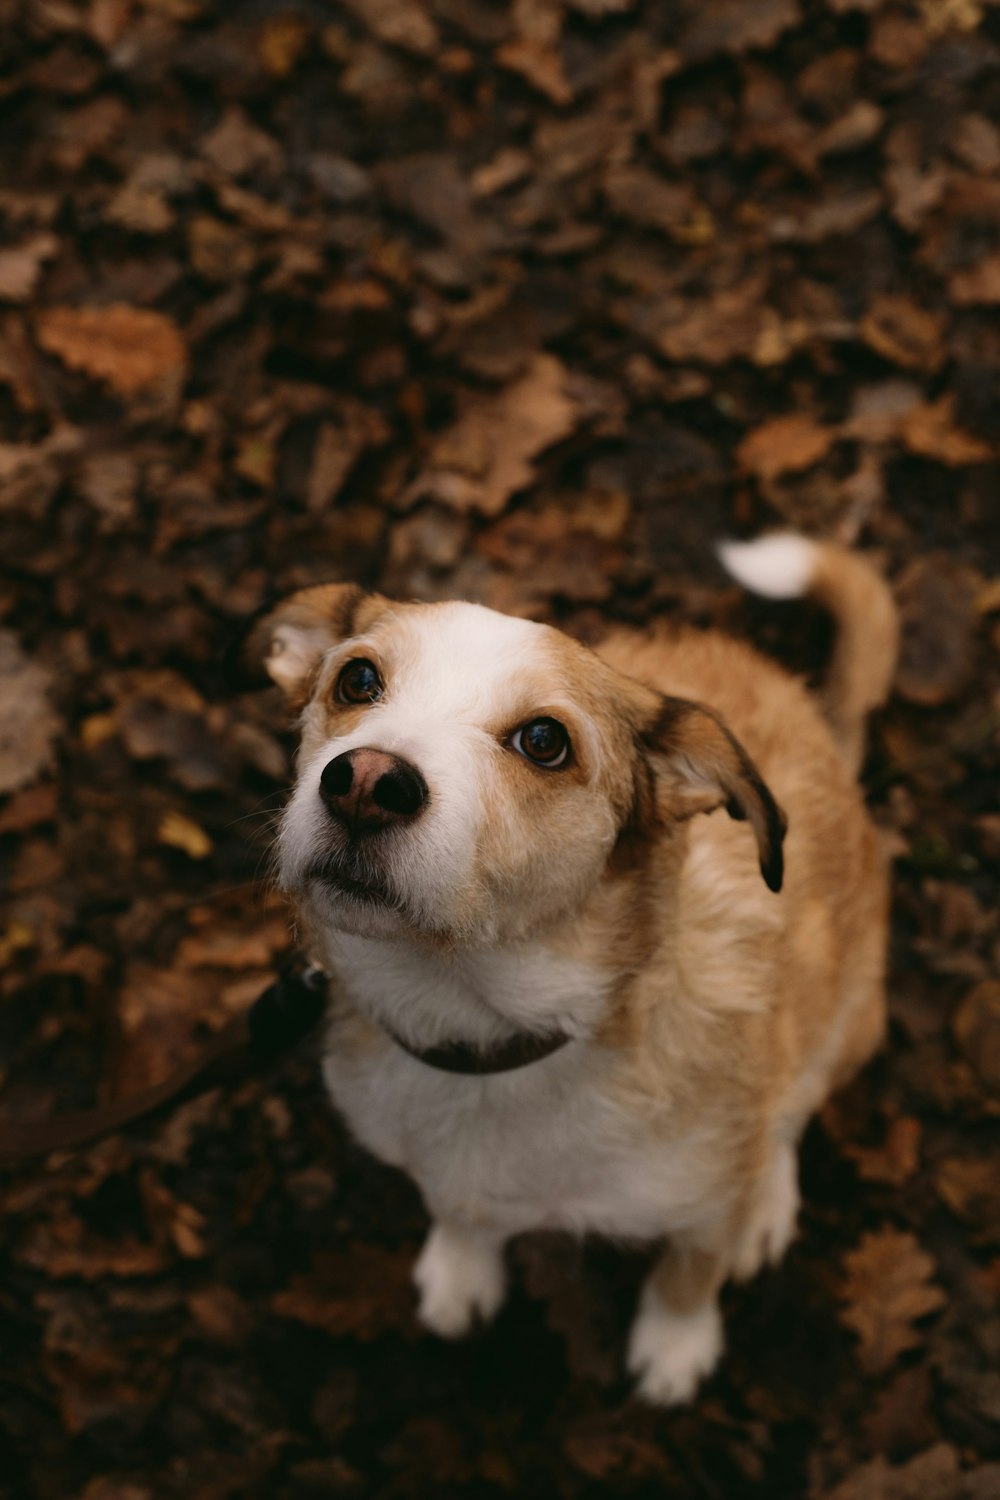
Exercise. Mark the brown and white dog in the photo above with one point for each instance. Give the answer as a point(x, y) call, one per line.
point(560, 997)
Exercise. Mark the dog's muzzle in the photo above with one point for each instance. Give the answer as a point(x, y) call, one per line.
point(366, 790)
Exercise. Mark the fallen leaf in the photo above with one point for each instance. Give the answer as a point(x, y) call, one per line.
point(647, 198)
point(358, 1292)
point(976, 1026)
point(970, 1185)
point(237, 147)
point(936, 601)
point(182, 833)
point(908, 335)
point(784, 445)
point(487, 455)
point(734, 26)
point(930, 430)
point(896, 1160)
point(29, 725)
point(932, 1475)
point(735, 324)
point(401, 23)
point(888, 1288)
point(539, 64)
point(131, 348)
point(283, 39)
point(21, 266)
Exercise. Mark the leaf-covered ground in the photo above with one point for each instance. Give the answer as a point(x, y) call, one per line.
point(528, 303)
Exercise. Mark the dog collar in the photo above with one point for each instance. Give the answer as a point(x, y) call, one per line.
point(504, 1057)
point(461, 1057)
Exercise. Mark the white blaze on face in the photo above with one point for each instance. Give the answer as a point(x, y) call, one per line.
point(457, 678)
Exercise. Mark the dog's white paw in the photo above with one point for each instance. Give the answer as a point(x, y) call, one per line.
point(459, 1277)
point(771, 1227)
point(671, 1353)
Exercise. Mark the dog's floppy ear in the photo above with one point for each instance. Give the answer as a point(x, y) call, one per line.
point(292, 638)
point(702, 765)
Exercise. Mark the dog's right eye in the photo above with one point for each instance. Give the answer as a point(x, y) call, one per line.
point(359, 682)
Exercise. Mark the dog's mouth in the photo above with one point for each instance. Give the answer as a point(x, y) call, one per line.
point(365, 886)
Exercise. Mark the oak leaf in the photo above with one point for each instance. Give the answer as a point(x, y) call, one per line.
point(888, 1288)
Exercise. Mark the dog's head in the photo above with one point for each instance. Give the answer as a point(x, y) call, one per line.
point(465, 776)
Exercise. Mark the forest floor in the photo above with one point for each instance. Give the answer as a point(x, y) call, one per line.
point(527, 303)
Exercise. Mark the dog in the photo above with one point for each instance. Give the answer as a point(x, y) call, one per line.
point(604, 927)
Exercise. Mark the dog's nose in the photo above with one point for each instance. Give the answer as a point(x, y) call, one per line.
point(367, 789)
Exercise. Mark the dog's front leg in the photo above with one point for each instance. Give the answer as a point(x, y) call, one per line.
point(676, 1337)
point(460, 1277)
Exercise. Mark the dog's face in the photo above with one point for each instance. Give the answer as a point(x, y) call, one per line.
point(464, 776)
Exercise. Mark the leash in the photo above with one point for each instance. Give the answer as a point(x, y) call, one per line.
point(281, 1016)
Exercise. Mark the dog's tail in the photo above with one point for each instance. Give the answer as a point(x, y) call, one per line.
point(787, 566)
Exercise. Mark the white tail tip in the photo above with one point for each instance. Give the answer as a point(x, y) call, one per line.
point(779, 567)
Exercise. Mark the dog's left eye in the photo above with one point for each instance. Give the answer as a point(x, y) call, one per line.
point(543, 741)
point(359, 682)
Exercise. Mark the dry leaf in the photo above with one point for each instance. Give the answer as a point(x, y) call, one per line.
point(784, 445)
point(28, 722)
point(487, 455)
point(929, 429)
point(540, 65)
point(734, 25)
point(21, 266)
point(904, 333)
point(932, 1475)
point(896, 1160)
point(181, 833)
point(401, 23)
point(735, 324)
point(888, 1288)
point(360, 1291)
point(970, 1185)
point(977, 1031)
point(936, 599)
point(131, 348)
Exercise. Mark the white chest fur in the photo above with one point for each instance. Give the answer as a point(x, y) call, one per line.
point(548, 1145)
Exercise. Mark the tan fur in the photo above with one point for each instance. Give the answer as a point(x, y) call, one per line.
point(622, 899)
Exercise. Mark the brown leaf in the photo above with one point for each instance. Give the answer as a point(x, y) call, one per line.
point(249, 945)
point(896, 1160)
point(29, 724)
point(237, 147)
point(970, 1186)
point(936, 600)
point(69, 1248)
point(539, 64)
point(932, 1475)
point(978, 285)
point(904, 333)
point(131, 348)
point(487, 455)
point(647, 198)
point(930, 430)
point(360, 1292)
point(888, 1288)
point(339, 445)
point(735, 324)
point(21, 266)
point(734, 26)
point(163, 1014)
point(401, 23)
point(977, 1031)
point(784, 445)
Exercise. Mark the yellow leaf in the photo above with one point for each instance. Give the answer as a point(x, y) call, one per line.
point(180, 833)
